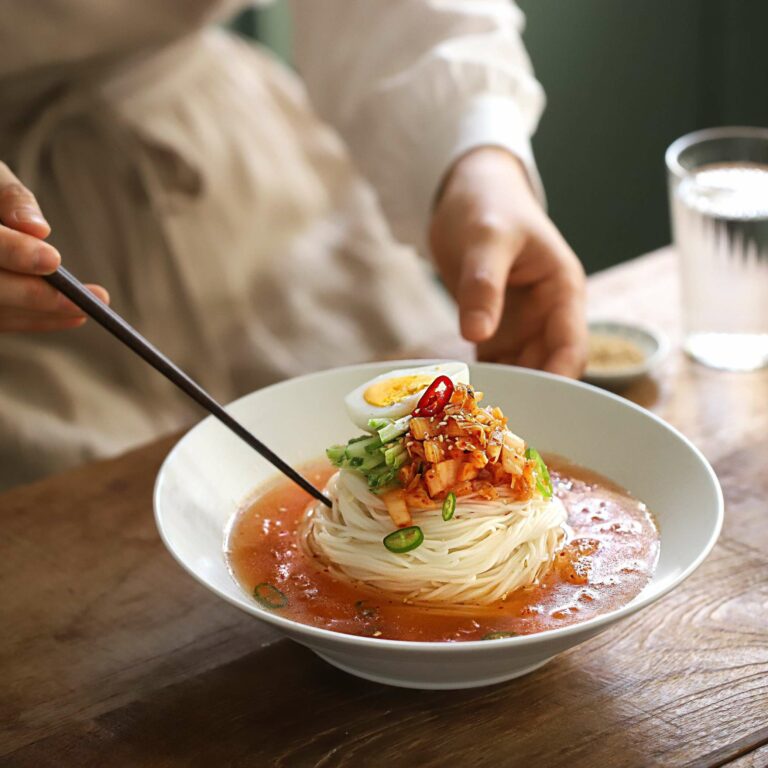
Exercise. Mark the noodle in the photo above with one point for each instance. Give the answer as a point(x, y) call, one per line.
point(486, 551)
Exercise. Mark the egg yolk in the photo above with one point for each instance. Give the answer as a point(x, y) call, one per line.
point(390, 391)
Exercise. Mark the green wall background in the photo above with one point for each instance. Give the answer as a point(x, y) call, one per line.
point(623, 78)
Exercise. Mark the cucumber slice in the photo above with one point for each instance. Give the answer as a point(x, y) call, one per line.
point(380, 477)
point(357, 449)
point(371, 462)
point(374, 446)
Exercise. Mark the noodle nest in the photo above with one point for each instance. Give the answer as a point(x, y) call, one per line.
point(485, 552)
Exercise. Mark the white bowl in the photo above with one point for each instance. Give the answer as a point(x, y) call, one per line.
point(210, 473)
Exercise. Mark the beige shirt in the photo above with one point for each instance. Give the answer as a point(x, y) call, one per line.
point(187, 172)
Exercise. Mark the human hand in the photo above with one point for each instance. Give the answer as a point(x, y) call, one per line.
point(519, 287)
point(27, 302)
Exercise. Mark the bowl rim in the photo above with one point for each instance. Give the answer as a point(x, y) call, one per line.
point(444, 646)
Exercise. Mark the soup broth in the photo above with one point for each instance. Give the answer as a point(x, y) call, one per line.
point(610, 554)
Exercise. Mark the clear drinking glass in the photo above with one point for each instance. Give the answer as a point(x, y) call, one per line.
point(718, 190)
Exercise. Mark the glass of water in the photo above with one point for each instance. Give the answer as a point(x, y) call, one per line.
point(718, 189)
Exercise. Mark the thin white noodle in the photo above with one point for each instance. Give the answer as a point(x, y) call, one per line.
point(486, 551)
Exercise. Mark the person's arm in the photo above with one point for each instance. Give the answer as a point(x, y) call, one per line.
point(437, 102)
point(412, 85)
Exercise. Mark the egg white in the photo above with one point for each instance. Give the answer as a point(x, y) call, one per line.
point(361, 411)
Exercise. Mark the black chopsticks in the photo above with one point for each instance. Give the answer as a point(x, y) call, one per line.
point(79, 295)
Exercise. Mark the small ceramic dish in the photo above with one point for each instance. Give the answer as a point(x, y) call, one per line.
point(210, 474)
point(649, 342)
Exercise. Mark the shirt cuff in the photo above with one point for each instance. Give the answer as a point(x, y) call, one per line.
point(494, 121)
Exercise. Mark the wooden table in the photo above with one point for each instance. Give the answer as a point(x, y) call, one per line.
point(111, 655)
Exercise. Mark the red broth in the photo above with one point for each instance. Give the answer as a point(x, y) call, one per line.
point(609, 558)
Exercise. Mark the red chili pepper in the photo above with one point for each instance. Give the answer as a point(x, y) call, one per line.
point(435, 398)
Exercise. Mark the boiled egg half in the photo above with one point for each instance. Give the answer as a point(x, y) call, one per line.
point(395, 394)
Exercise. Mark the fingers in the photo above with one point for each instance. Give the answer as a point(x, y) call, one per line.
point(564, 338)
point(566, 335)
point(15, 320)
point(566, 361)
point(532, 355)
point(482, 285)
point(28, 302)
point(18, 208)
point(544, 324)
point(569, 358)
point(33, 294)
point(26, 254)
point(101, 293)
point(21, 249)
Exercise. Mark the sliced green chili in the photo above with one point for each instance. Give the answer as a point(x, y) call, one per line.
point(498, 635)
point(269, 596)
point(543, 480)
point(404, 539)
point(449, 506)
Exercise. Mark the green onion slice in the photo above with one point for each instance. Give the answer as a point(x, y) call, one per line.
point(543, 480)
point(336, 453)
point(269, 596)
point(365, 609)
point(498, 635)
point(404, 539)
point(449, 506)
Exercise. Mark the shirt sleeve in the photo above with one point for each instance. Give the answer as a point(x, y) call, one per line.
point(411, 85)
point(56, 37)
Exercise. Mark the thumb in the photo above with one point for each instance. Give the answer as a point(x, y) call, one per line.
point(18, 208)
point(482, 287)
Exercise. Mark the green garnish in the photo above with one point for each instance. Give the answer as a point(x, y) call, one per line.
point(357, 448)
point(336, 453)
point(394, 429)
point(498, 635)
point(269, 596)
point(404, 539)
point(370, 462)
point(396, 455)
point(543, 480)
point(449, 506)
point(376, 457)
point(366, 610)
point(381, 477)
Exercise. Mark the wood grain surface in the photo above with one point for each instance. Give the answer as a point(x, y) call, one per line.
point(111, 655)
